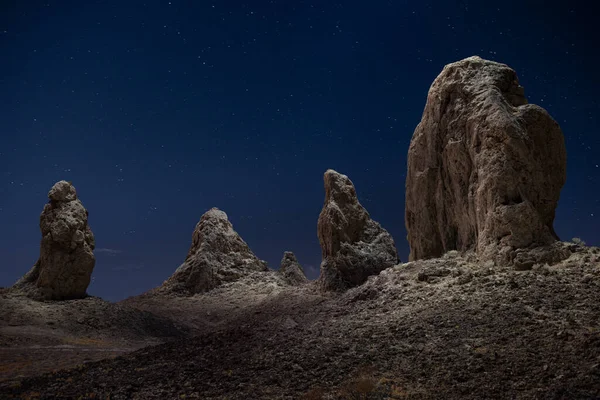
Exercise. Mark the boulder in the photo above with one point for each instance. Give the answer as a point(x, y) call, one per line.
point(353, 246)
point(66, 261)
point(485, 168)
point(292, 270)
point(217, 255)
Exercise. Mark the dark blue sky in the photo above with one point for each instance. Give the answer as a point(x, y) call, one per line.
point(160, 110)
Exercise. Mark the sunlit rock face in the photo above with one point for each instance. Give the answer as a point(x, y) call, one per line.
point(66, 261)
point(485, 168)
point(353, 246)
point(217, 255)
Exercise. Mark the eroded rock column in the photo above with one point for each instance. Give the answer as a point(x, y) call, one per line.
point(217, 255)
point(66, 261)
point(485, 168)
point(353, 246)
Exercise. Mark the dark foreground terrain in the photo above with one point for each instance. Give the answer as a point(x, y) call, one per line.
point(38, 337)
point(450, 328)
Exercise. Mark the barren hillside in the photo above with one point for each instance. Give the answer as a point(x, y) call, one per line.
point(443, 328)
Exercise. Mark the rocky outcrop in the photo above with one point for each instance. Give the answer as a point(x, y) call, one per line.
point(217, 255)
point(291, 269)
point(66, 261)
point(485, 168)
point(353, 245)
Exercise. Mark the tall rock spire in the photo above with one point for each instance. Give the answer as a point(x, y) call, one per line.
point(485, 168)
point(66, 261)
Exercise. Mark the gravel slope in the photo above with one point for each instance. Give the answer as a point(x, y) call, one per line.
point(447, 328)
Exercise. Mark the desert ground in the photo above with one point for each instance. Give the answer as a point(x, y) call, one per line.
point(443, 328)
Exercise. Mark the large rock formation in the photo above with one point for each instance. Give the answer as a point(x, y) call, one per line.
point(66, 261)
point(485, 168)
point(291, 269)
point(353, 245)
point(217, 255)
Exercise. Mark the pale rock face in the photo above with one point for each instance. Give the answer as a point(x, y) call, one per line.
point(66, 261)
point(485, 168)
point(353, 246)
point(292, 270)
point(217, 255)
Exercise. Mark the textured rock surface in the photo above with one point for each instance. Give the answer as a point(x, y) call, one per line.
point(217, 255)
point(66, 261)
point(353, 245)
point(485, 168)
point(291, 269)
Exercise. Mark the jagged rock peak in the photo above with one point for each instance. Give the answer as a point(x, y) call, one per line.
point(291, 269)
point(353, 246)
point(485, 168)
point(217, 255)
point(66, 262)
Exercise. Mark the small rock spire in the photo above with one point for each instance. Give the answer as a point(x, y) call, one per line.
point(353, 246)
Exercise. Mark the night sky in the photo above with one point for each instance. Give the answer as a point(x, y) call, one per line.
point(160, 110)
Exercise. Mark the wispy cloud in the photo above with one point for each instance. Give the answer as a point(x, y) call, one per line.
point(127, 267)
point(110, 252)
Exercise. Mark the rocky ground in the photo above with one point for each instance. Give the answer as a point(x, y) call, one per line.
point(38, 337)
point(222, 306)
point(445, 328)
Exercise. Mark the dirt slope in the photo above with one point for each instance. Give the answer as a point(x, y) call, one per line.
point(447, 328)
point(37, 337)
